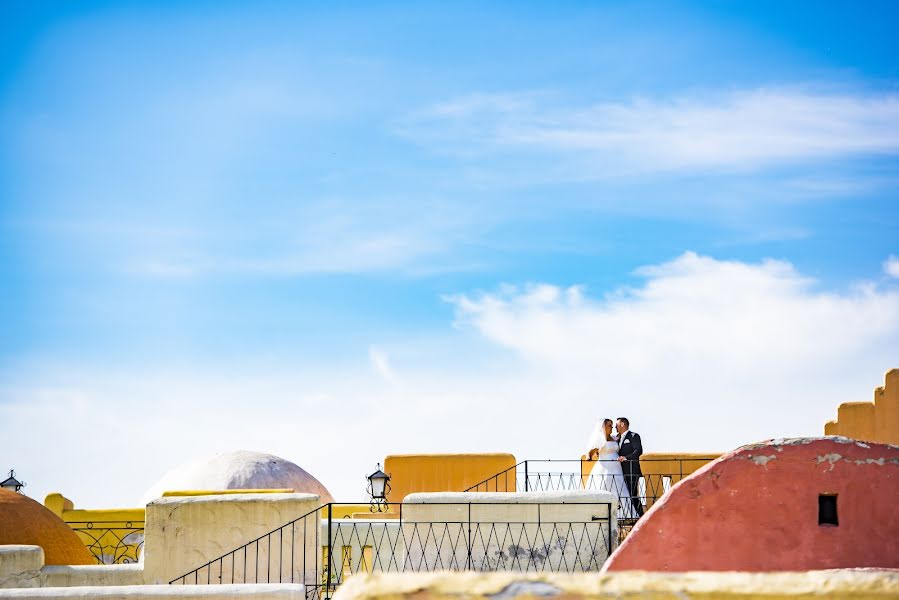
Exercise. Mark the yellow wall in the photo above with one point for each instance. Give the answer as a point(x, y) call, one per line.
point(113, 534)
point(876, 421)
point(444, 472)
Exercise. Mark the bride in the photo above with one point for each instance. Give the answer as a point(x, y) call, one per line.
point(606, 474)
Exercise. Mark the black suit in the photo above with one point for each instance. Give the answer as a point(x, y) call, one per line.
point(631, 448)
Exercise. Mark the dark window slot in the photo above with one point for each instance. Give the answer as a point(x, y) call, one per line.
point(827, 510)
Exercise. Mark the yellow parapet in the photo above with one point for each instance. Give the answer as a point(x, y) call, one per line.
point(446, 472)
point(112, 535)
point(876, 421)
point(224, 492)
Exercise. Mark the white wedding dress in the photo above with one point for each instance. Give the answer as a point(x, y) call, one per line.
point(607, 475)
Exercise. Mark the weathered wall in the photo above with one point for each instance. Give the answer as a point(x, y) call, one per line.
point(141, 592)
point(411, 473)
point(857, 585)
point(20, 565)
point(556, 531)
point(876, 421)
point(185, 532)
point(757, 509)
point(23, 567)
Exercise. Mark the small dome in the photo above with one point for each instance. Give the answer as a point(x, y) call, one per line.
point(24, 521)
point(241, 470)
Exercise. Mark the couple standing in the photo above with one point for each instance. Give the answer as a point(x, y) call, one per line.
point(617, 467)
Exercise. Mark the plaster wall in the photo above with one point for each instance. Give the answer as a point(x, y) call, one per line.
point(525, 531)
point(758, 509)
point(857, 585)
point(141, 592)
point(185, 532)
point(412, 473)
point(876, 421)
point(23, 567)
point(20, 565)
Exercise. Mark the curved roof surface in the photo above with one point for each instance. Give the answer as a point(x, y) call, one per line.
point(25, 521)
point(238, 470)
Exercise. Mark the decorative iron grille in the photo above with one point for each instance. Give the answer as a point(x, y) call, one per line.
point(321, 551)
point(111, 542)
point(569, 475)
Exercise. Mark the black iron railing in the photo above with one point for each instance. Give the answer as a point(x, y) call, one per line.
point(111, 542)
point(320, 551)
point(636, 494)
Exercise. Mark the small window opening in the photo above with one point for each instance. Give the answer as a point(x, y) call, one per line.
point(827, 510)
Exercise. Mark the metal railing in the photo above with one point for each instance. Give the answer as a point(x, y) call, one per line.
point(636, 493)
point(320, 551)
point(111, 542)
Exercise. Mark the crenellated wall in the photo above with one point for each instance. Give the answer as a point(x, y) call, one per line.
point(876, 421)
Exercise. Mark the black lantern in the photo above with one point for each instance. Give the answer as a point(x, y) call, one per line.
point(378, 488)
point(12, 484)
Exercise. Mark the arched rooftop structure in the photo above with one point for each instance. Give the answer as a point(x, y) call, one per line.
point(781, 505)
point(238, 470)
point(25, 521)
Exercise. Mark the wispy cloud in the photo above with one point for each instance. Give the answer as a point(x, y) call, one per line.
point(891, 266)
point(380, 362)
point(740, 130)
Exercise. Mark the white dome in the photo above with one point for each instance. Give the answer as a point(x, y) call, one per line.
point(239, 470)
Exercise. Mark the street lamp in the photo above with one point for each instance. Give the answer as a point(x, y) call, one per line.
point(378, 488)
point(11, 483)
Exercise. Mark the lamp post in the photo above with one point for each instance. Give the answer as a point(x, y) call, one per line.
point(11, 483)
point(378, 488)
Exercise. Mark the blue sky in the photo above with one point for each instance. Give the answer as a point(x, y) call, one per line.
point(281, 213)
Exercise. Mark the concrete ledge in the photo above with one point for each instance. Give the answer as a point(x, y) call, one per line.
point(18, 558)
point(95, 575)
point(854, 584)
point(574, 496)
point(278, 591)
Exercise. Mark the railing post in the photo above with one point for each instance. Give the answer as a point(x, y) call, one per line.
point(526, 476)
point(468, 560)
point(330, 557)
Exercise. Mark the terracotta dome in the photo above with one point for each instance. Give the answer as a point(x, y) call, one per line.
point(24, 521)
point(241, 470)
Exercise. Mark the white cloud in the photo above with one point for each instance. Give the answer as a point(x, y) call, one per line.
point(891, 266)
point(703, 355)
point(697, 311)
point(734, 131)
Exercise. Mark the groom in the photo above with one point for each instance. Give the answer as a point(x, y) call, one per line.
point(629, 450)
